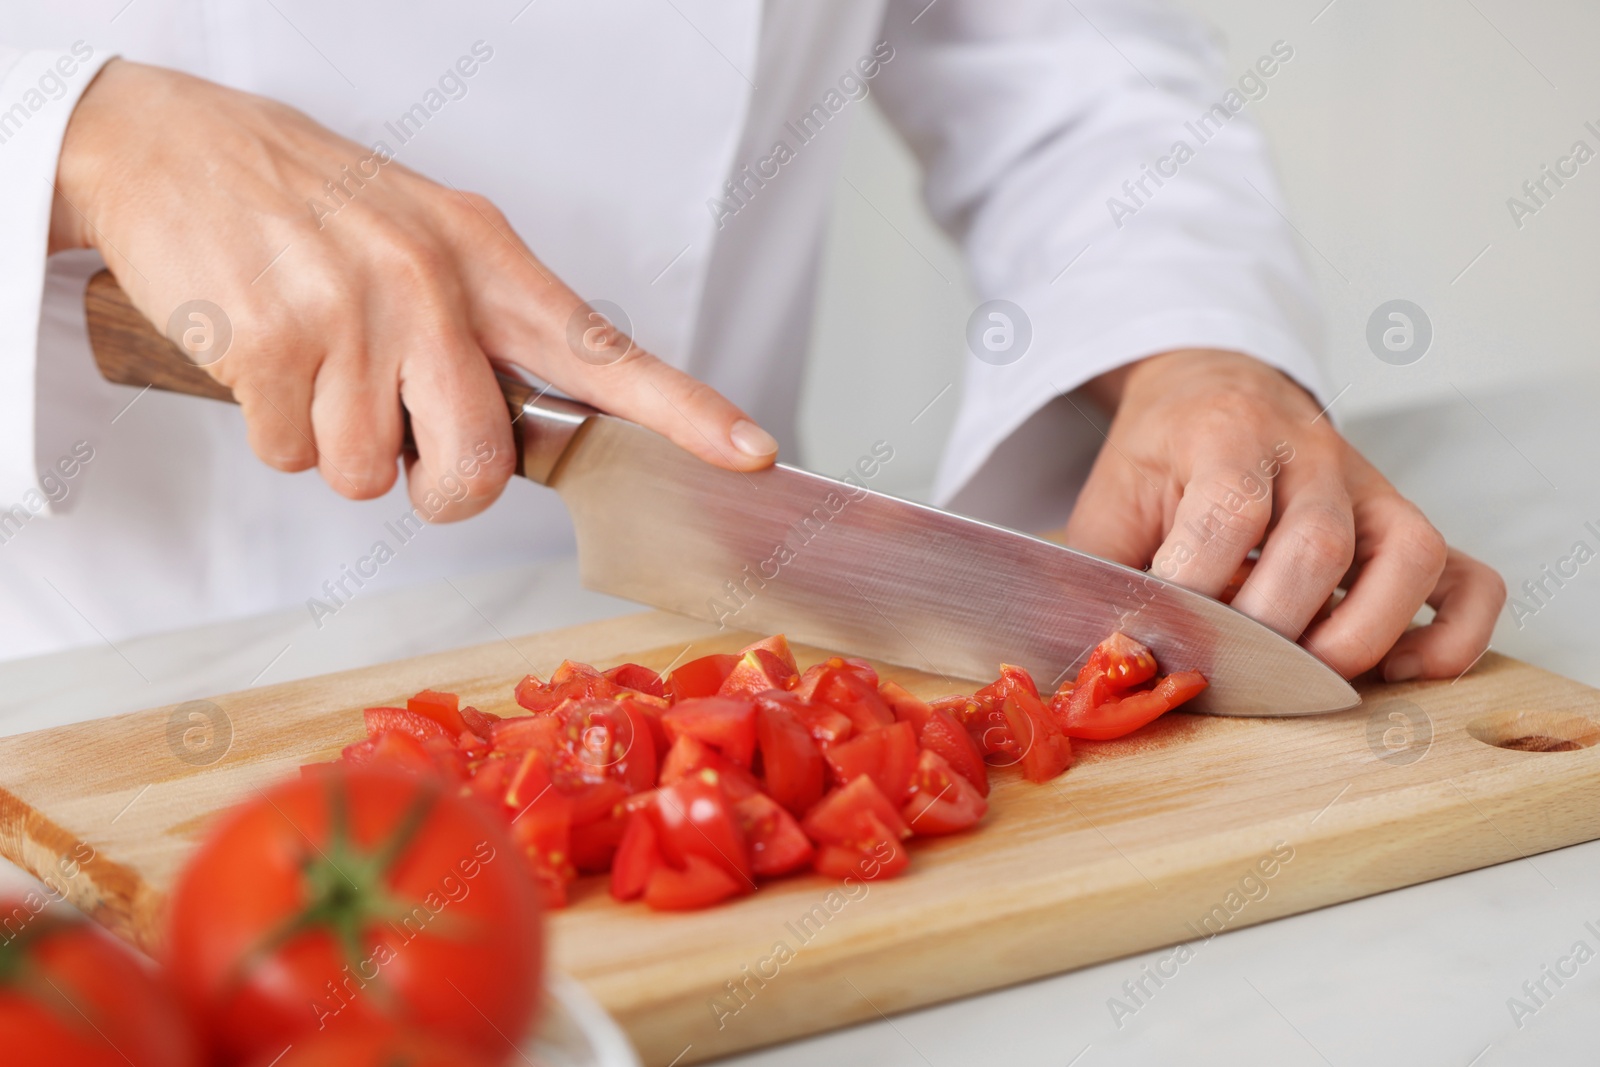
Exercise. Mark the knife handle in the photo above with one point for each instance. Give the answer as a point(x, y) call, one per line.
point(129, 350)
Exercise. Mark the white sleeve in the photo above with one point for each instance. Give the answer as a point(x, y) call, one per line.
point(1050, 135)
point(38, 90)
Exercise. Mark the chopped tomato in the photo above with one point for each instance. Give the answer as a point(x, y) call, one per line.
point(418, 726)
point(689, 756)
point(571, 681)
point(698, 884)
point(777, 646)
point(777, 844)
point(887, 755)
point(1046, 751)
point(1124, 661)
point(443, 708)
point(637, 856)
point(727, 723)
point(826, 725)
point(639, 679)
point(791, 765)
point(395, 748)
point(1012, 680)
point(594, 845)
point(841, 818)
point(806, 689)
point(847, 691)
point(906, 708)
point(949, 739)
point(694, 818)
point(1114, 718)
point(479, 722)
point(942, 801)
point(700, 677)
point(609, 739)
point(878, 853)
point(764, 665)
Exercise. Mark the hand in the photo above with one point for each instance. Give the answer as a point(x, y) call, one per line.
point(1212, 454)
point(397, 291)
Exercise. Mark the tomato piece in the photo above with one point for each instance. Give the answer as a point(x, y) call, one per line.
point(395, 749)
point(594, 845)
point(595, 801)
point(694, 818)
point(946, 737)
point(479, 722)
point(806, 688)
point(758, 670)
point(1116, 717)
point(778, 646)
point(608, 739)
point(700, 883)
point(727, 723)
point(942, 801)
point(1073, 707)
point(1012, 680)
point(791, 764)
point(70, 994)
point(1045, 750)
point(848, 692)
point(571, 681)
point(418, 726)
point(1124, 662)
point(887, 755)
point(840, 818)
point(777, 844)
point(523, 732)
point(344, 874)
point(877, 854)
point(689, 755)
point(542, 829)
point(905, 707)
point(826, 725)
point(639, 679)
point(700, 677)
point(986, 725)
point(442, 708)
point(638, 855)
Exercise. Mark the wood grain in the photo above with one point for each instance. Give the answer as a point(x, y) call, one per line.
point(130, 351)
point(1161, 838)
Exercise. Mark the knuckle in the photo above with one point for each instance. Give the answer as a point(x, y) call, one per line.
point(1325, 539)
point(1421, 543)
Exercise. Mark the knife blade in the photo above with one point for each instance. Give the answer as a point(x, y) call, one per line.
point(827, 562)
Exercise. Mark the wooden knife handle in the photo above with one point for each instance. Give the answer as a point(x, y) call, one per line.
point(129, 350)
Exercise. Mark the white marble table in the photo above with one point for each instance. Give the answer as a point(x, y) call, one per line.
point(1417, 976)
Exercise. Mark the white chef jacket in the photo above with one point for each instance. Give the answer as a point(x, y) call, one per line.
point(609, 131)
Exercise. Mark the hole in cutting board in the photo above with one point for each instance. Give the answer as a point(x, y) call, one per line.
point(1535, 731)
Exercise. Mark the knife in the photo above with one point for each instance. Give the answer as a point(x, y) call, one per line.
point(827, 562)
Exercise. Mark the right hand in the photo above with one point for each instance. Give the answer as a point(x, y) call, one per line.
point(192, 190)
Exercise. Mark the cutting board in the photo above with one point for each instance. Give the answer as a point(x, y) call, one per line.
point(1191, 827)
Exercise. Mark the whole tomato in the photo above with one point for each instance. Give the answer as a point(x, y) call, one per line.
point(70, 994)
point(376, 1046)
point(354, 897)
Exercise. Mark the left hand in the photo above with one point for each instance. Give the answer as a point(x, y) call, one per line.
point(1212, 454)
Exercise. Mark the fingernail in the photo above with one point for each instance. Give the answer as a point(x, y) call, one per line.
point(1403, 668)
point(752, 440)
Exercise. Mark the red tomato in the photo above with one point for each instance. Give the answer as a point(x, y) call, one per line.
point(351, 896)
point(826, 726)
point(694, 818)
point(842, 816)
point(70, 994)
point(758, 670)
point(877, 855)
point(638, 855)
point(778, 647)
point(846, 691)
point(1114, 718)
point(376, 1046)
point(947, 737)
point(700, 883)
point(594, 844)
point(1012, 679)
point(791, 765)
point(887, 755)
point(689, 756)
point(640, 679)
point(571, 681)
point(906, 708)
point(942, 801)
point(479, 722)
point(421, 727)
point(443, 708)
point(1045, 750)
point(726, 723)
point(1124, 661)
point(806, 688)
point(608, 739)
point(777, 844)
point(700, 677)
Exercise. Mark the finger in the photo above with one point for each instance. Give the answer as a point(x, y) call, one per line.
point(523, 314)
point(1466, 602)
point(1225, 509)
point(1400, 557)
point(1117, 516)
point(465, 453)
point(355, 416)
point(277, 419)
point(1306, 554)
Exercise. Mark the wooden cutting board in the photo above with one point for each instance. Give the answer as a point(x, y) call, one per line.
point(1193, 826)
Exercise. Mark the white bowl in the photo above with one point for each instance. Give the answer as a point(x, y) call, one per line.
point(576, 1032)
